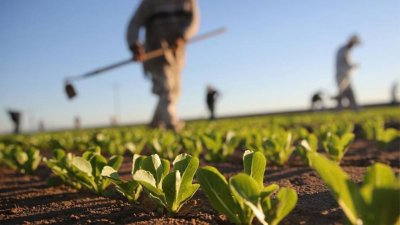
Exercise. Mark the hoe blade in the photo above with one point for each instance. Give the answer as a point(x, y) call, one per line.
point(70, 90)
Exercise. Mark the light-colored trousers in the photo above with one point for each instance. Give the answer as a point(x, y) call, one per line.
point(166, 84)
point(348, 94)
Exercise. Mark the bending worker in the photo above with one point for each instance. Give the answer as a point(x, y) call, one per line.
point(344, 68)
point(167, 23)
point(15, 117)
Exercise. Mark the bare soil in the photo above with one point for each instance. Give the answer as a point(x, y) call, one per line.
point(30, 200)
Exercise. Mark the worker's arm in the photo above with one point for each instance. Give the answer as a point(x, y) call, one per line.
point(193, 27)
point(135, 24)
point(349, 62)
point(217, 94)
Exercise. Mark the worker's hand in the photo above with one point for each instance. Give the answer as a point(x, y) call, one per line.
point(138, 52)
point(179, 42)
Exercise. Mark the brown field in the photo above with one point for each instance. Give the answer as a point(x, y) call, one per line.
point(30, 200)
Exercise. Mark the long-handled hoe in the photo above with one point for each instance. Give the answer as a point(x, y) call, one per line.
point(71, 92)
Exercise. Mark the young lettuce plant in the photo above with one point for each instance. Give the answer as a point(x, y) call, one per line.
point(84, 171)
point(376, 201)
point(213, 144)
point(254, 139)
point(344, 129)
point(308, 144)
point(244, 196)
point(220, 145)
point(130, 189)
point(336, 146)
point(63, 142)
point(387, 136)
point(301, 133)
point(115, 148)
point(61, 166)
point(192, 145)
point(136, 146)
point(170, 190)
point(375, 130)
point(372, 127)
point(23, 159)
point(166, 145)
point(278, 148)
point(339, 129)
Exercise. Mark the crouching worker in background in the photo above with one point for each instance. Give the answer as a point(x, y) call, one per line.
point(317, 101)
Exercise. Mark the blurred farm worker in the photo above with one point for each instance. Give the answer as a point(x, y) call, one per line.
point(394, 93)
point(77, 123)
point(211, 98)
point(15, 117)
point(41, 126)
point(344, 68)
point(166, 23)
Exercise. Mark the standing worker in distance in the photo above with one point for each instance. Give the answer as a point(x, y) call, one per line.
point(211, 98)
point(393, 93)
point(344, 68)
point(167, 23)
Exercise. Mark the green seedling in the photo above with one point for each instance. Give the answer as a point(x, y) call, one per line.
point(308, 144)
point(130, 189)
point(339, 129)
point(61, 165)
point(220, 145)
point(374, 130)
point(278, 148)
point(192, 145)
point(386, 136)
point(166, 145)
point(245, 196)
point(136, 147)
point(254, 139)
point(83, 171)
point(336, 146)
point(171, 190)
point(376, 201)
point(23, 159)
point(372, 127)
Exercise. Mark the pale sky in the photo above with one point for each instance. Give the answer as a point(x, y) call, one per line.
point(273, 57)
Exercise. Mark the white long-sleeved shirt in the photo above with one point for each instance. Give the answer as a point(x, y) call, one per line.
point(344, 68)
